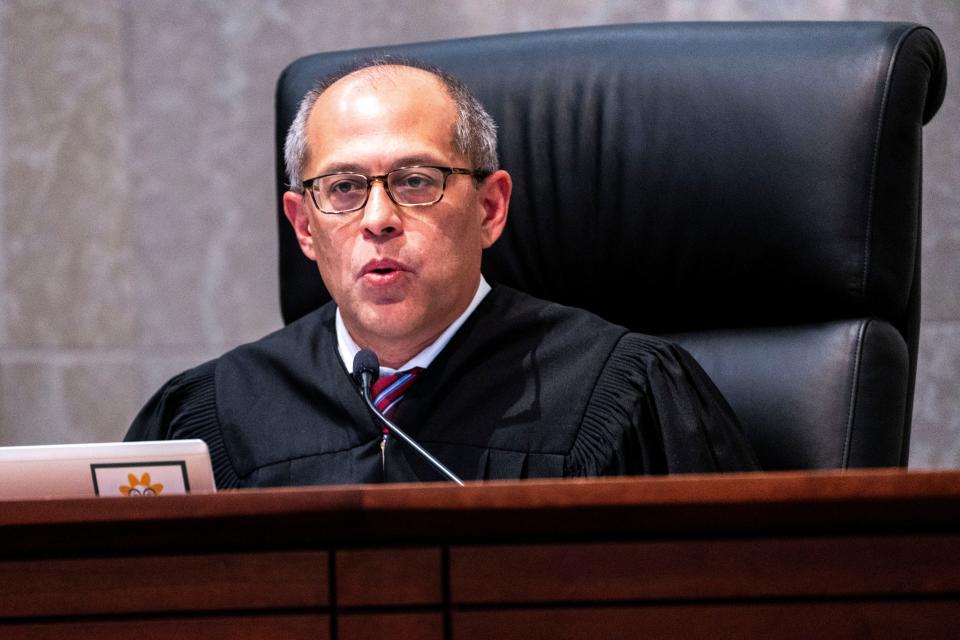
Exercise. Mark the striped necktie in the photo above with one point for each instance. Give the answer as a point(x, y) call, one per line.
point(388, 390)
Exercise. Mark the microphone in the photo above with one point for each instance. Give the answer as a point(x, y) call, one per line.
point(366, 370)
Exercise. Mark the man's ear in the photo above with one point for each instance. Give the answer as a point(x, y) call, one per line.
point(494, 194)
point(295, 208)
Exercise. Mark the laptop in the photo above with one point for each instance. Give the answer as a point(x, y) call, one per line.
point(112, 469)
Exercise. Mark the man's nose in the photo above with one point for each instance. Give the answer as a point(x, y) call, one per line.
point(380, 214)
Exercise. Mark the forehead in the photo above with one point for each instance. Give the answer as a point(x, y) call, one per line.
point(381, 112)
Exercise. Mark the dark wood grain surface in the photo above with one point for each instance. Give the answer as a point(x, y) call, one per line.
point(855, 554)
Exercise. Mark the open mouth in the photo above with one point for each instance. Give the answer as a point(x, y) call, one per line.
point(383, 272)
point(382, 267)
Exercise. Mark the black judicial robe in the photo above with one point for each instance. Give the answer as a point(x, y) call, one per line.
point(525, 389)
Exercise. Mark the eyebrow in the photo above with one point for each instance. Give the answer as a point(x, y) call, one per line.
point(405, 161)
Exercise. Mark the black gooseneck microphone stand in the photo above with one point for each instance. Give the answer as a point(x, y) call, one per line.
point(366, 369)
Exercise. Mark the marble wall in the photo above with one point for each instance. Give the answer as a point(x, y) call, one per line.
point(137, 199)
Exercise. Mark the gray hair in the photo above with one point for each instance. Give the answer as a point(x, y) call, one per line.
point(474, 135)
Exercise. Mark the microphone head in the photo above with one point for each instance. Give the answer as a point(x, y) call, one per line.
point(366, 361)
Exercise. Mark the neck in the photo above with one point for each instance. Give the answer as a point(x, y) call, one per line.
point(393, 355)
point(398, 347)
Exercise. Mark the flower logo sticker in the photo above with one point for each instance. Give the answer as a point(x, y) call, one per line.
point(142, 486)
point(132, 480)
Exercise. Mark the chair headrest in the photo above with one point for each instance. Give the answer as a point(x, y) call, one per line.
point(680, 176)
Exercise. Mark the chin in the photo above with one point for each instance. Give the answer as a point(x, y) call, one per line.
point(390, 322)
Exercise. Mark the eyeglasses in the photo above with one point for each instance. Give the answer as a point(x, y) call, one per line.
point(407, 186)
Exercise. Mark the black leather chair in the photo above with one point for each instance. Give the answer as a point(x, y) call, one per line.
point(750, 189)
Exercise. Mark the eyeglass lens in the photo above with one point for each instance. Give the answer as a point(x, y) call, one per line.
point(407, 186)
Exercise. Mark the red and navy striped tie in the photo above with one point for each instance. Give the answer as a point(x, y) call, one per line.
point(388, 390)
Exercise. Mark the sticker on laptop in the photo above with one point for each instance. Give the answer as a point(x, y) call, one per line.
point(147, 479)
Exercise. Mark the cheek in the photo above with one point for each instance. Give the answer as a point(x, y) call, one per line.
point(467, 239)
point(333, 257)
point(449, 247)
point(462, 231)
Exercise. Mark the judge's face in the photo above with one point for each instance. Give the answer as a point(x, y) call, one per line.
point(400, 275)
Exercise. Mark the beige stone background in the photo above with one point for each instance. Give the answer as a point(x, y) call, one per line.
point(137, 185)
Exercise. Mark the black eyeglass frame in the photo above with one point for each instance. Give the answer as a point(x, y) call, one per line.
point(476, 174)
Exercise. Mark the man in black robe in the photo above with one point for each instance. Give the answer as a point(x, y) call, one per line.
point(402, 193)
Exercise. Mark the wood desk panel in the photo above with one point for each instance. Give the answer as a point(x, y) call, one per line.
point(234, 627)
point(705, 569)
point(389, 625)
point(395, 576)
point(150, 583)
point(856, 554)
point(929, 620)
